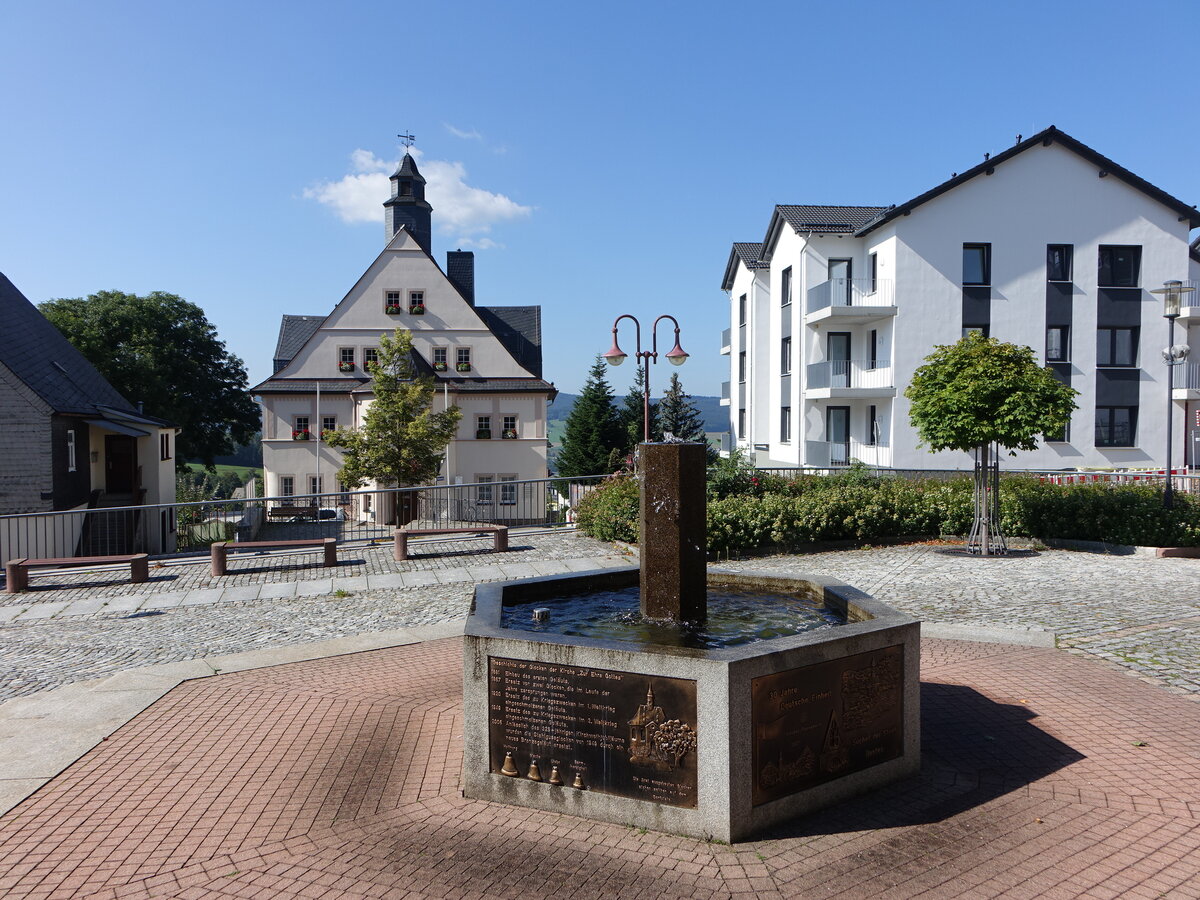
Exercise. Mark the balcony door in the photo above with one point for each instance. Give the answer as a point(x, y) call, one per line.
point(837, 429)
point(837, 351)
point(839, 282)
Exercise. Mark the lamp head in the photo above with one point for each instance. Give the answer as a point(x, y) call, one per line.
point(676, 356)
point(616, 355)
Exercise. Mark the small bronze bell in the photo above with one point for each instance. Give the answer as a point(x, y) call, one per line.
point(509, 768)
point(534, 773)
point(555, 778)
point(578, 785)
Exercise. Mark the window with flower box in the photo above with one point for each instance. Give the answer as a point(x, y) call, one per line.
point(370, 357)
point(464, 359)
point(509, 430)
point(345, 359)
point(392, 303)
point(328, 424)
point(300, 429)
point(416, 303)
point(483, 428)
point(439, 359)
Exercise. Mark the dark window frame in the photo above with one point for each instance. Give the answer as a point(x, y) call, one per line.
point(1107, 348)
point(1061, 269)
point(785, 355)
point(785, 287)
point(742, 310)
point(985, 264)
point(1114, 272)
point(874, 267)
point(1111, 425)
point(1064, 343)
point(785, 424)
point(742, 367)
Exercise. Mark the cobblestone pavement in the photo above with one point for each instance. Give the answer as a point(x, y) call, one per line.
point(58, 636)
point(1042, 776)
point(1139, 612)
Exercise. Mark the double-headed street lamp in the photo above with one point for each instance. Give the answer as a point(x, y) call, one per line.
point(1174, 355)
point(616, 356)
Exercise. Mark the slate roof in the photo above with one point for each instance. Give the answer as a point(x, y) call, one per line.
point(828, 219)
point(519, 329)
point(408, 166)
point(749, 253)
point(49, 364)
point(294, 332)
point(309, 385)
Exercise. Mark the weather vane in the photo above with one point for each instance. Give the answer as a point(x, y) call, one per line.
point(407, 140)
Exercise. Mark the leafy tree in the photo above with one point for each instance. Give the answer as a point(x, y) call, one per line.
point(593, 429)
point(402, 441)
point(677, 415)
point(162, 351)
point(632, 412)
point(980, 392)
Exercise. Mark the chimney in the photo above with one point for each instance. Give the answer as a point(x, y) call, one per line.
point(460, 269)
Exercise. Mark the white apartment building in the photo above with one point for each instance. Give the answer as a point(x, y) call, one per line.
point(485, 360)
point(1048, 244)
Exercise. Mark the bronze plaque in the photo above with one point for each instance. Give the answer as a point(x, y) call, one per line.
point(823, 721)
point(593, 729)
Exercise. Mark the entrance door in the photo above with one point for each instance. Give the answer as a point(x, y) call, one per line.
point(839, 278)
point(120, 464)
point(837, 351)
point(837, 429)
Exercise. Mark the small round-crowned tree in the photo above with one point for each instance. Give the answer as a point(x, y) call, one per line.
point(982, 392)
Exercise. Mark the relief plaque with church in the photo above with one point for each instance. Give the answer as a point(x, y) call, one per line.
point(816, 723)
point(600, 730)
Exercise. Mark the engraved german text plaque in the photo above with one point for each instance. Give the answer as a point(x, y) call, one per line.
point(593, 729)
point(823, 721)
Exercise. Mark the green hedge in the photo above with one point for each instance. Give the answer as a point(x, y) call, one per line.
point(787, 513)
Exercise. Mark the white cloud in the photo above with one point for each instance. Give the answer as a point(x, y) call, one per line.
point(471, 135)
point(458, 208)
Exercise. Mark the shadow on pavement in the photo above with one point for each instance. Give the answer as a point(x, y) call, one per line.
point(973, 750)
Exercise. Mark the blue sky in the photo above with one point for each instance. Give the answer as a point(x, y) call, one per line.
point(600, 158)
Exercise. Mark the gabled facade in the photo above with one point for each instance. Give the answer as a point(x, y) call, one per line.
point(71, 442)
point(1048, 244)
point(485, 360)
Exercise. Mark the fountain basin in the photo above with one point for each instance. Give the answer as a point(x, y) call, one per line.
point(715, 743)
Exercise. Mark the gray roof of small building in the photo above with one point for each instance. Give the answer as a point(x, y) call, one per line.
point(49, 364)
point(748, 253)
point(828, 219)
point(519, 329)
point(294, 332)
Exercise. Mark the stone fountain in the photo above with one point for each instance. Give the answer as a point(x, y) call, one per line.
point(715, 741)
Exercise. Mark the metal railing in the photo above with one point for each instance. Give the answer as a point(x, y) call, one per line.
point(851, 292)
point(850, 373)
point(726, 340)
point(1182, 482)
point(1188, 377)
point(724, 390)
point(182, 528)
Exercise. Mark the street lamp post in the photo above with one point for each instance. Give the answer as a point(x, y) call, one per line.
point(1174, 355)
point(616, 356)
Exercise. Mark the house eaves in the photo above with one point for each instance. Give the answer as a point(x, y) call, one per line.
point(1051, 135)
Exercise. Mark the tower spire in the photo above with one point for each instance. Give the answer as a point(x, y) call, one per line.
point(407, 206)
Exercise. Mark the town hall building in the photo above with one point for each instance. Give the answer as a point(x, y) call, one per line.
point(487, 360)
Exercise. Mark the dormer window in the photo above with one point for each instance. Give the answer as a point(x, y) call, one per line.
point(345, 359)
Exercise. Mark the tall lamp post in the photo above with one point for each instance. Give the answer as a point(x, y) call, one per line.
point(616, 356)
point(1174, 355)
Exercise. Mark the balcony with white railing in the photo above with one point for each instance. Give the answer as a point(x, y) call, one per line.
point(724, 393)
point(1189, 312)
point(832, 454)
point(1186, 385)
point(849, 301)
point(726, 345)
point(849, 378)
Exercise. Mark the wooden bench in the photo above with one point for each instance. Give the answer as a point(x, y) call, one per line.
point(292, 512)
point(16, 571)
point(499, 536)
point(220, 550)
